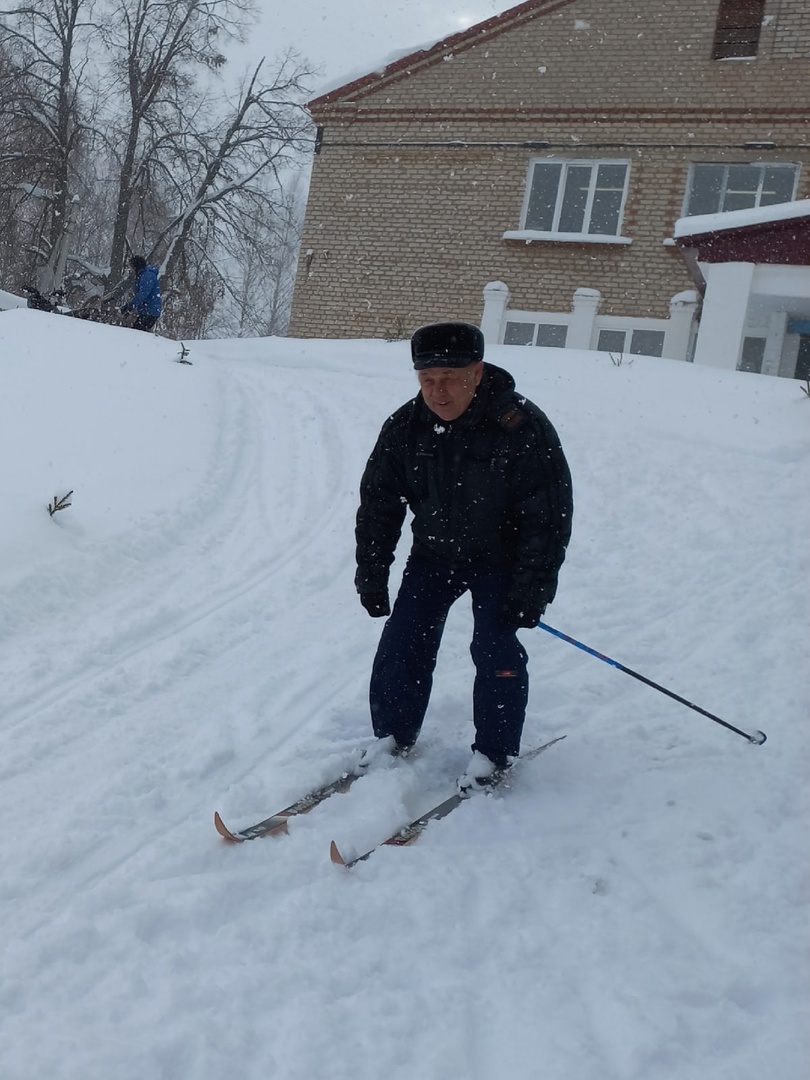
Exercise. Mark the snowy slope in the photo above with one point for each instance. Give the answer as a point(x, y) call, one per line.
point(186, 637)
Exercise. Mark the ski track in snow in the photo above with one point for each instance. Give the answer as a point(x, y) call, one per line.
point(632, 909)
point(148, 642)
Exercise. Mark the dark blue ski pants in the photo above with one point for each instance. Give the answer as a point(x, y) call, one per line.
point(402, 674)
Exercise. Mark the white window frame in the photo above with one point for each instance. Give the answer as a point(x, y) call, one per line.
point(629, 339)
point(533, 330)
point(529, 235)
point(726, 165)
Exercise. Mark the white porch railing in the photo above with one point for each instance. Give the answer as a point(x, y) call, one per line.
point(584, 328)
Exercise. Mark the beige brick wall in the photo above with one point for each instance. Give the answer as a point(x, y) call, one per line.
point(402, 232)
point(791, 31)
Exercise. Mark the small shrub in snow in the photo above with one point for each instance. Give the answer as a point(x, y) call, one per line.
point(59, 504)
point(398, 331)
point(618, 358)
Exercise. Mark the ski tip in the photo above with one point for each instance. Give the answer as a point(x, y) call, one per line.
point(758, 738)
point(223, 829)
point(335, 856)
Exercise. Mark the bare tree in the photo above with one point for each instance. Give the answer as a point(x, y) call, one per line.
point(227, 182)
point(158, 49)
point(48, 40)
point(142, 149)
point(264, 267)
point(17, 146)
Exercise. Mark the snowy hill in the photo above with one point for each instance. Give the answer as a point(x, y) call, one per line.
point(185, 636)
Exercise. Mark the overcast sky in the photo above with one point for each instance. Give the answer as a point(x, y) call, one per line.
point(351, 37)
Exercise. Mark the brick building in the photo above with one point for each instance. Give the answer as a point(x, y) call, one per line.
point(545, 156)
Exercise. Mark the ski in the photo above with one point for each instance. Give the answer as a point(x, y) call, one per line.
point(276, 825)
point(410, 833)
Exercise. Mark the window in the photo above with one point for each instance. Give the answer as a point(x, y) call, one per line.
point(716, 188)
point(551, 336)
point(803, 359)
point(737, 32)
point(585, 198)
point(647, 342)
point(611, 341)
point(753, 353)
point(642, 342)
point(518, 333)
point(524, 333)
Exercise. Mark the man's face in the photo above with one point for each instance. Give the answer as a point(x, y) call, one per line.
point(449, 391)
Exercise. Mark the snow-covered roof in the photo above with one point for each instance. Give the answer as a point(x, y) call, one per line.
point(701, 224)
point(401, 62)
point(361, 74)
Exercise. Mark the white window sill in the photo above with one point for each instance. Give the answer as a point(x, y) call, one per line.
point(529, 236)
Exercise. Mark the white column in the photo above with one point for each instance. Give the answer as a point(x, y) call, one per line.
point(679, 329)
point(496, 298)
point(774, 343)
point(790, 356)
point(584, 308)
point(725, 307)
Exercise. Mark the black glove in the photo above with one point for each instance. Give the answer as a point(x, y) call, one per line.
point(376, 604)
point(517, 612)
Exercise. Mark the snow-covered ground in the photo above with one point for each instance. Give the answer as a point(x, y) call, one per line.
point(185, 636)
point(11, 300)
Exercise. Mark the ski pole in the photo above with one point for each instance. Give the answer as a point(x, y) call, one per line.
point(758, 738)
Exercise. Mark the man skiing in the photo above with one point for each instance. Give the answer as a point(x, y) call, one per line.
point(483, 472)
point(146, 301)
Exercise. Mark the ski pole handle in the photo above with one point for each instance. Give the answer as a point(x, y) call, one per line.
point(757, 738)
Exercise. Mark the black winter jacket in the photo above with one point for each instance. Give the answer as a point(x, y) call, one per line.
point(491, 488)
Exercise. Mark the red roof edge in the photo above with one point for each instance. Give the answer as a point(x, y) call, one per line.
point(750, 228)
point(463, 39)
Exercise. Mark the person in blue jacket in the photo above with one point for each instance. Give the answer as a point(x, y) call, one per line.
point(146, 302)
